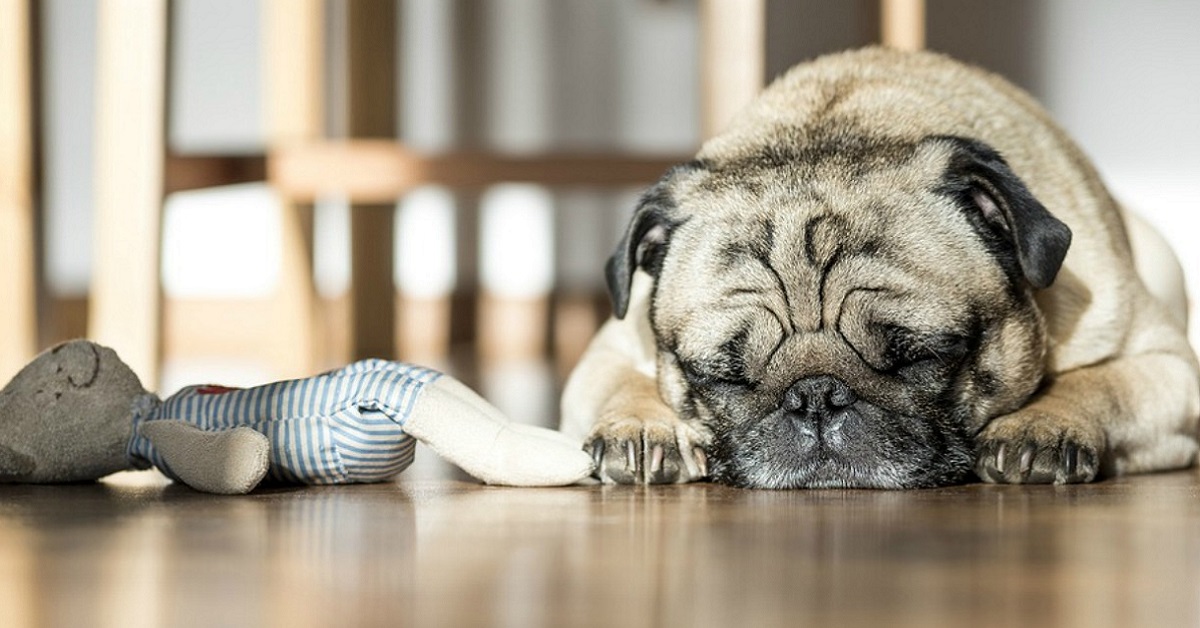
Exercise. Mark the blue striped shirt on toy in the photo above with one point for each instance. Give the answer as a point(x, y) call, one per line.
point(342, 426)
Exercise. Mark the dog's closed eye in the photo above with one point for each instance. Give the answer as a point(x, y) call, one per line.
point(907, 348)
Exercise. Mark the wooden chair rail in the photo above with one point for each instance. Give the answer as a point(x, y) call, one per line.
point(194, 172)
point(378, 171)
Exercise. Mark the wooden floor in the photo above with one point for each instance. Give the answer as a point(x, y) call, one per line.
point(136, 551)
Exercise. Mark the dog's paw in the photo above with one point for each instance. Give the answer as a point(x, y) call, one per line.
point(647, 451)
point(1035, 447)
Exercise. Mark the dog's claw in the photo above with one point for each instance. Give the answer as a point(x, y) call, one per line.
point(701, 461)
point(656, 459)
point(631, 451)
point(597, 449)
point(1026, 461)
point(1049, 449)
point(1070, 458)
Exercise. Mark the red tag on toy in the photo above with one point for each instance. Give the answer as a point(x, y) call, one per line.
point(213, 389)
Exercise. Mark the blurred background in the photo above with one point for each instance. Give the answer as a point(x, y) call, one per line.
point(499, 146)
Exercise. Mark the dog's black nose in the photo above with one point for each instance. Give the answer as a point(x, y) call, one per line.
point(817, 407)
point(817, 395)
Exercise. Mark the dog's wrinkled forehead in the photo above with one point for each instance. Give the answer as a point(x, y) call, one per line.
point(829, 148)
point(800, 220)
point(831, 163)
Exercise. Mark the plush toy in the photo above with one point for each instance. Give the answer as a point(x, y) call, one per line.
point(77, 412)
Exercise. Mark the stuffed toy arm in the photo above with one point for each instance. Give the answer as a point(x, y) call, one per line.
point(467, 430)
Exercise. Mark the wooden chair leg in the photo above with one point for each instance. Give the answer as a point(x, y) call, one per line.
point(126, 307)
point(296, 299)
point(294, 75)
point(732, 59)
point(18, 319)
point(372, 114)
point(903, 24)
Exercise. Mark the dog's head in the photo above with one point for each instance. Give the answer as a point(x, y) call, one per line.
point(844, 310)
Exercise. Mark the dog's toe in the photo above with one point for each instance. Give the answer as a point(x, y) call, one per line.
point(1030, 447)
point(633, 451)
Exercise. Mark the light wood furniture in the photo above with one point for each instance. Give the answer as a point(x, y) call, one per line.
point(902, 24)
point(371, 114)
point(373, 170)
point(135, 171)
point(369, 167)
point(732, 59)
point(376, 171)
point(294, 72)
point(18, 268)
point(125, 307)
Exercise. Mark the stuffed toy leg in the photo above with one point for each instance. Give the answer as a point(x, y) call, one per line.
point(78, 413)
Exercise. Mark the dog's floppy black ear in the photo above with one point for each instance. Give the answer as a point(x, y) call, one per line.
point(979, 176)
point(643, 245)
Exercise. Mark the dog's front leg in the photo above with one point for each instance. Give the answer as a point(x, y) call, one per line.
point(1131, 414)
point(612, 404)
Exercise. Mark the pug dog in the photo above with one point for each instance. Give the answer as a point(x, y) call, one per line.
point(893, 270)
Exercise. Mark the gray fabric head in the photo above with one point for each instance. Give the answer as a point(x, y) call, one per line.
point(65, 417)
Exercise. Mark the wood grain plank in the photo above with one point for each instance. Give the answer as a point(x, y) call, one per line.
point(428, 550)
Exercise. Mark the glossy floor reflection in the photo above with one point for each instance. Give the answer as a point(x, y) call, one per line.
point(138, 552)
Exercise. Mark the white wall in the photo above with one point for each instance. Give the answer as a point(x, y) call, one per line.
point(1122, 76)
point(68, 51)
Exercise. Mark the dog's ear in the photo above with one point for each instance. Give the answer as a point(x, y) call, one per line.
point(998, 202)
point(645, 241)
point(642, 246)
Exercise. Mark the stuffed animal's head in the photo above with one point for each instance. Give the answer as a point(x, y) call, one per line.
point(67, 415)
